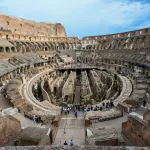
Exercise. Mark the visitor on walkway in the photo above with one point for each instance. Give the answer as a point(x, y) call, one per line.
point(65, 143)
point(111, 104)
point(83, 108)
point(101, 108)
point(144, 103)
point(72, 142)
point(65, 110)
point(68, 109)
point(76, 113)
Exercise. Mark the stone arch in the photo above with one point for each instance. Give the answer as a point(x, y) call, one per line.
point(67, 45)
point(78, 45)
point(53, 46)
point(63, 46)
point(57, 46)
point(7, 49)
point(13, 49)
point(28, 47)
point(70, 46)
point(7, 37)
point(45, 48)
point(47, 45)
point(1, 49)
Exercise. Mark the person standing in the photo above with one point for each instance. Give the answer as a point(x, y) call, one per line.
point(68, 109)
point(65, 143)
point(71, 142)
point(75, 113)
point(83, 108)
point(144, 103)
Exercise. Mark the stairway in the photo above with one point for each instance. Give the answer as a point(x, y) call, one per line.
point(77, 94)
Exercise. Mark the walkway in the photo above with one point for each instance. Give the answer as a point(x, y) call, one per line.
point(77, 95)
point(4, 103)
point(25, 122)
point(74, 128)
point(126, 90)
point(116, 123)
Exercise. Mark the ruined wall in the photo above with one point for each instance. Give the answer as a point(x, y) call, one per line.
point(29, 27)
point(9, 129)
point(137, 131)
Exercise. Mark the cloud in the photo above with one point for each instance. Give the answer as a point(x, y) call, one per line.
point(83, 17)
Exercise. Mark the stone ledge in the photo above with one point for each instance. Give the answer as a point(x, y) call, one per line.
point(73, 148)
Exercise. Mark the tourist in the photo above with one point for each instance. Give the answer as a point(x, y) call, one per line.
point(72, 142)
point(68, 109)
point(111, 104)
point(83, 108)
point(91, 108)
point(96, 108)
point(25, 113)
point(103, 104)
point(34, 118)
point(76, 113)
point(101, 108)
point(65, 143)
point(65, 110)
point(144, 103)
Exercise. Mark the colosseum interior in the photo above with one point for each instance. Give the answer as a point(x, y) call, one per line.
point(55, 88)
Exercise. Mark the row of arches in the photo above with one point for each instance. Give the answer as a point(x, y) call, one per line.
point(7, 49)
point(10, 36)
point(125, 43)
point(27, 46)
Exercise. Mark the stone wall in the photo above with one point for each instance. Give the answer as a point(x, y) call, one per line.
point(90, 147)
point(9, 129)
point(137, 131)
point(29, 27)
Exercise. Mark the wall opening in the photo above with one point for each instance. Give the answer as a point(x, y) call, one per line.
point(13, 49)
point(46, 49)
point(1, 49)
point(6, 36)
point(7, 49)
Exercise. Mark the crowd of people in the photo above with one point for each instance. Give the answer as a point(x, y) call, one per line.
point(86, 108)
point(74, 108)
point(70, 107)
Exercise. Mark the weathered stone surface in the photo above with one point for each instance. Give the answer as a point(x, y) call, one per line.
point(29, 27)
point(75, 148)
point(9, 129)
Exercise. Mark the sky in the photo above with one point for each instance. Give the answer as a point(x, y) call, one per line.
point(83, 17)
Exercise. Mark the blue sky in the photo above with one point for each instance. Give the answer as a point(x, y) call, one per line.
point(83, 17)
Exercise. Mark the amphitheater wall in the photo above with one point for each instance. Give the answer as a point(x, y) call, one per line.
point(145, 31)
point(9, 129)
point(137, 131)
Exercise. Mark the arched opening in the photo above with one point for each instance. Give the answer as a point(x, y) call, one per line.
point(7, 49)
point(89, 47)
point(46, 49)
point(13, 49)
point(1, 49)
point(6, 36)
point(63, 46)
